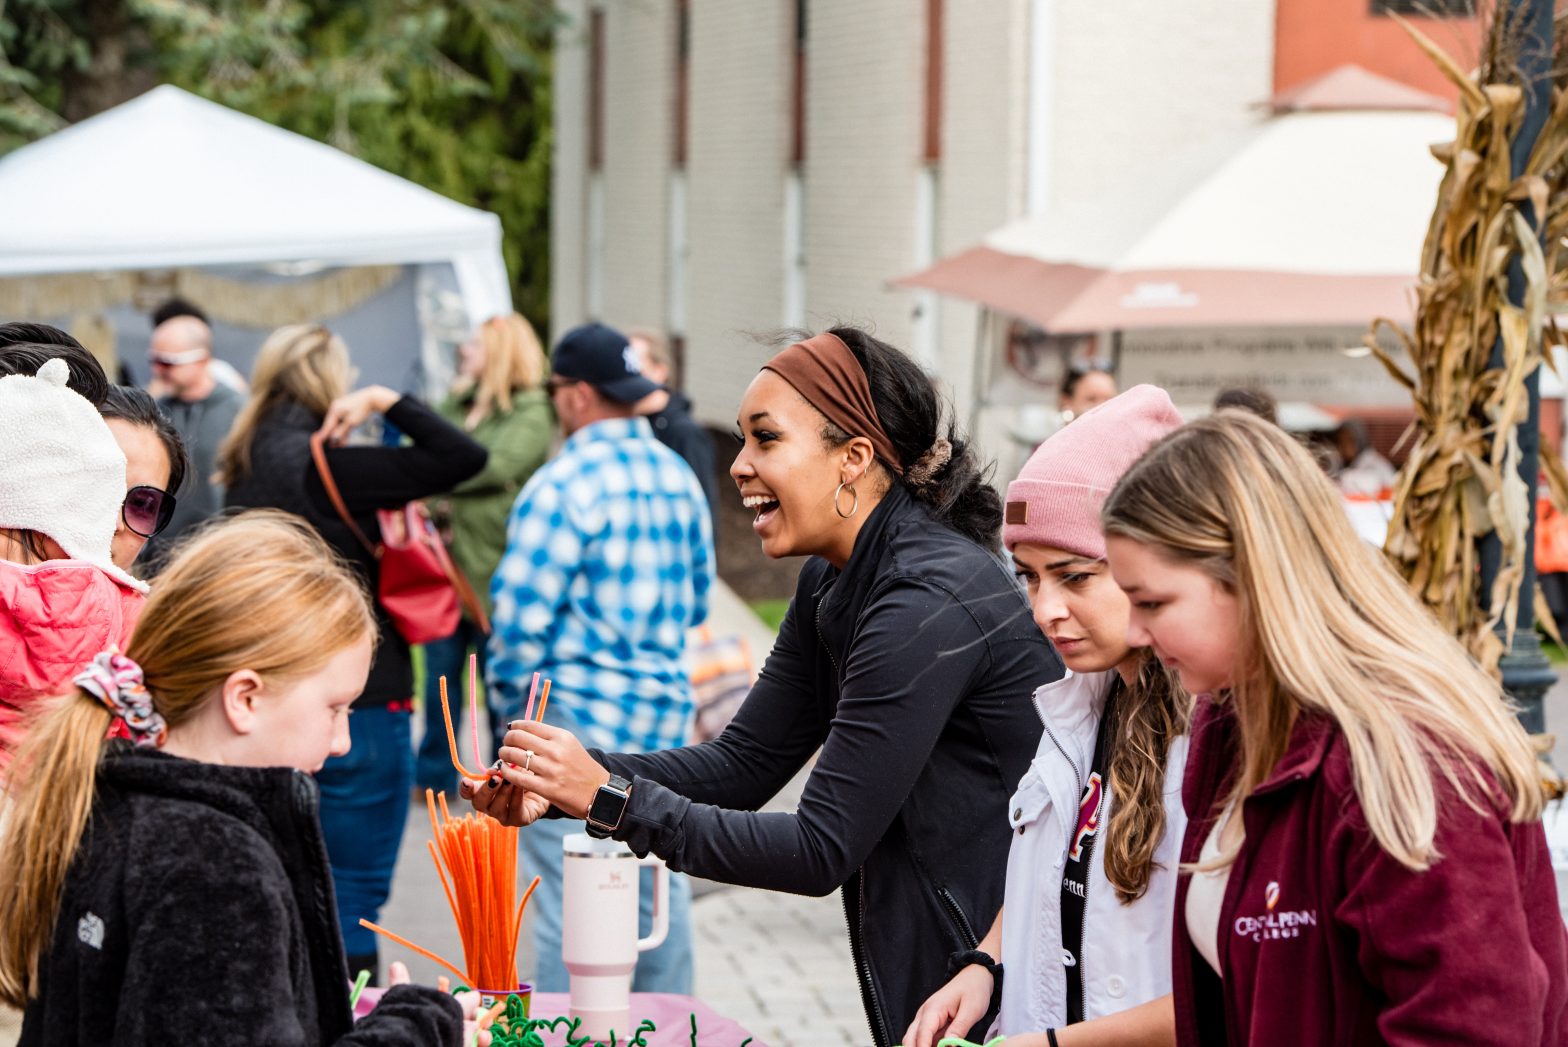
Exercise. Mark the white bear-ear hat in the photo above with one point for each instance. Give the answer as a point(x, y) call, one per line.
point(61, 472)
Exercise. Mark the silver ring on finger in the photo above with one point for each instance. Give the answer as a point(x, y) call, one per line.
point(528, 758)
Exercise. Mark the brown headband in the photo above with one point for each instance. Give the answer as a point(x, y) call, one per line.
point(826, 373)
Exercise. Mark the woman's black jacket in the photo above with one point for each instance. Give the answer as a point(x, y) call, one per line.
point(912, 670)
point(283, 476)
point(199, 909)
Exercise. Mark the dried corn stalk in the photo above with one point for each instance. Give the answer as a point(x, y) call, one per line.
point(1461, 481)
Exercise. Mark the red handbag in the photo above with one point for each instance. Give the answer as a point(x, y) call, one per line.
point(421, 589)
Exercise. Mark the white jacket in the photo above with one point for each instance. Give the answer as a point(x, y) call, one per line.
point(1127, 948)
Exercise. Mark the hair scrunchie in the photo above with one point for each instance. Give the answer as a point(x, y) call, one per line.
point(925, 469)
point(116, 681)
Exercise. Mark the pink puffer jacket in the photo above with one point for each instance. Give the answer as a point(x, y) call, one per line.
point(54, 617)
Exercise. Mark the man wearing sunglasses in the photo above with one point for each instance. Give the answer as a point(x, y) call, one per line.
point(201, 408)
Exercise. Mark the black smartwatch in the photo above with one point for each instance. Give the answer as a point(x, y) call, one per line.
point(607, 808)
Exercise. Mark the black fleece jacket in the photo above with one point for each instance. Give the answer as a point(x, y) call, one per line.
point(199, 909)
point(912, 669)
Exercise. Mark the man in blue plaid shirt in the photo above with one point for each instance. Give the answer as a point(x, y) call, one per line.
point(609, 559)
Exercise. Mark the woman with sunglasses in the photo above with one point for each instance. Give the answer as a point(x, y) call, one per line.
point(155, 467)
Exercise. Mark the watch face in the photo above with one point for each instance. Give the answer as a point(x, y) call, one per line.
point(609, 803)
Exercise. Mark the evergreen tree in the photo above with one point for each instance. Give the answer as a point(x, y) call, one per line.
point(452, 95)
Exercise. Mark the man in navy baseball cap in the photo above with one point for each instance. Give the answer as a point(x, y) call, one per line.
point(604, 358)
point(613, 525)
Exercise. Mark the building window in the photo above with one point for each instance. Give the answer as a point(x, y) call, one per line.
point(933, 121)
point(923, 341)
point(797, 147)
point(795, 183)
point(596, 241)
point(794, 249)
point(682, 78)
point(675, 306)
point(595, 89)
point(1425, 8)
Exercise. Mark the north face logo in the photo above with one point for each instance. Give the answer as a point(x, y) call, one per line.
point(89, 929)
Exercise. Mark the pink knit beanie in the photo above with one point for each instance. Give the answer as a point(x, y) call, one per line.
point(1057, 497)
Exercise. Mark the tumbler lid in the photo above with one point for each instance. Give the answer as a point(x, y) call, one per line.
point(581, 845)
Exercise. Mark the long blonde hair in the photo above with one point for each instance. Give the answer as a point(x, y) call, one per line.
point(260, 591)
point(514, 361)
point(1151, 713)
point(1326, 627)
point(303, 363)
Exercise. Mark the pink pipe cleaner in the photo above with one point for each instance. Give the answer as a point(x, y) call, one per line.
point(528, 714)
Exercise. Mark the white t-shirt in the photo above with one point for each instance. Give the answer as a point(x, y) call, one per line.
point(1206, 893)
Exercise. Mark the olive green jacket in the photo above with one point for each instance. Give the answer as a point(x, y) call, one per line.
point(478, 508)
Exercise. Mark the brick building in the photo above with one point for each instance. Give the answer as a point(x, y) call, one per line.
point(724, 167)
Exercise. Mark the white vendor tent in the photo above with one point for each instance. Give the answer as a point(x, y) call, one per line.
point(170, 193)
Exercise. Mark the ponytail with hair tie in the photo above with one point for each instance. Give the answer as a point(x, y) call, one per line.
point(116, 681)
point(929, 464)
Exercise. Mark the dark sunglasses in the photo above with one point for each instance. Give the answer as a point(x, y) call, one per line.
point(147, 510)
point(555, 384)
point(176, 359)
point(1097, 366)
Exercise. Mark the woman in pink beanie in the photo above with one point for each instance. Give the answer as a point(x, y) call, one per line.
point(1085, 930)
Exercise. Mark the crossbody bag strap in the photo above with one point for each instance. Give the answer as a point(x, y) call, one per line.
point(318, 445)
point(465, 592)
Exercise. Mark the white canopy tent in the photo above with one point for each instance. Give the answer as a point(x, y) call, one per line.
point(172, 183)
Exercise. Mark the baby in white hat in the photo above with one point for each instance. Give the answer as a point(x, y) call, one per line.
point(62, 599)
point(62, 476)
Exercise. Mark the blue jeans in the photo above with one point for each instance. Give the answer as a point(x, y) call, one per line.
point(364, 806)
point(665, 969)
point(449, 658)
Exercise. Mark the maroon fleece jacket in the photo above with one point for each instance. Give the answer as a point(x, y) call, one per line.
point(1326, 939)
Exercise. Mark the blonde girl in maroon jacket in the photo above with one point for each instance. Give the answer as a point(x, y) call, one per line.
point(1365, 808)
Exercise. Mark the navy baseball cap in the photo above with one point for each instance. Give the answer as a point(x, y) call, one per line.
point(605, 359)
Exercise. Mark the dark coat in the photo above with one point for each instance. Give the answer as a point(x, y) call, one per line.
point(912, 670)
point(679, 431)
point(1324, 938)
point(283, 476)
point(200, 910)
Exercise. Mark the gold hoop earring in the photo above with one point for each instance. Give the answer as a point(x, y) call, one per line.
point(854, 507)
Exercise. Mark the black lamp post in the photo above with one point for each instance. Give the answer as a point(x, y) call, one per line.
point(1525, 670)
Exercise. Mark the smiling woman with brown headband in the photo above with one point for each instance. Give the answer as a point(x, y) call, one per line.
point(907, 656)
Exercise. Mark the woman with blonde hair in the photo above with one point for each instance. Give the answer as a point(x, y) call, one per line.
point(499, 399)
point(199, 903)
point(1369, 862)
point(301, 386)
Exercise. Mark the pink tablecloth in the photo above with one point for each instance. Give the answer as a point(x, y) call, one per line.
point(671, 1014)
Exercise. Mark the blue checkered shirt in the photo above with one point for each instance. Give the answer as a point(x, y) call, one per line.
point(609, 559)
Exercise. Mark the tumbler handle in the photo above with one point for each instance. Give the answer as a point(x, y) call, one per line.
point(661, 904)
